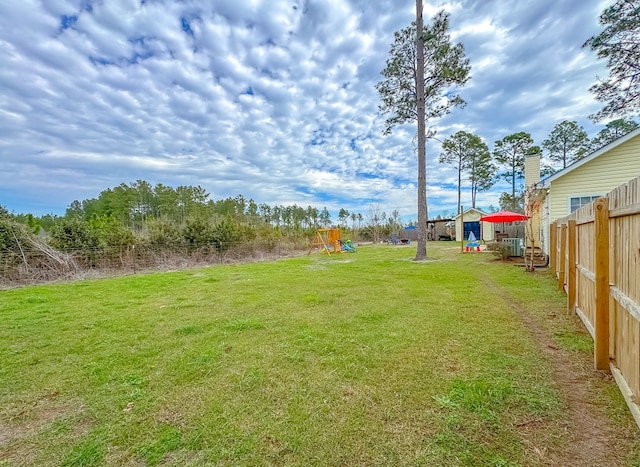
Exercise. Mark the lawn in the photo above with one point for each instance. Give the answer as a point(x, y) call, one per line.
point(357, 359)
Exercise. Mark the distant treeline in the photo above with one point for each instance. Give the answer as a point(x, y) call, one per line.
point(139, 213)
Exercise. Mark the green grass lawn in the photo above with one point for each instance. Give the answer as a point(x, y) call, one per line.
point(357, 359)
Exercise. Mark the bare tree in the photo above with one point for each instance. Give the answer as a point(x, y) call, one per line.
point(375, 216)
point(533, 199)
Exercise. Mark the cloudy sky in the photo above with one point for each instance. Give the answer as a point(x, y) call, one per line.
point(271, 99)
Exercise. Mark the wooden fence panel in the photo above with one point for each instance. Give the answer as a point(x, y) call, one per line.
point(585, 282)
point(571, 266)
point(624, 250)
point(625, 254)
point(625, 343)
point(559, 249)
point(562, 253)
point(586, 298)
point(606, 252)
point(553, 248)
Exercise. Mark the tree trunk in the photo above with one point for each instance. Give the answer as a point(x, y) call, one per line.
point(421, 252)
point(513, 178)
point(459, 185)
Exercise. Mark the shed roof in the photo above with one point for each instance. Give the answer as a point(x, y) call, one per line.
point(466, 211)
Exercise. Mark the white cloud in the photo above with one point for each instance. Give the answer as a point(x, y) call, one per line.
point(271, 99)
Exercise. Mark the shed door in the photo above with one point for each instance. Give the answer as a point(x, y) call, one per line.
point(472, 227)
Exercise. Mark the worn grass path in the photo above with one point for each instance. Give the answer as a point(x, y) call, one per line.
point(360, 359)
point(596, 432)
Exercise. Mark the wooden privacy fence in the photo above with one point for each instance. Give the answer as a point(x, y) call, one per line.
point(595, 253)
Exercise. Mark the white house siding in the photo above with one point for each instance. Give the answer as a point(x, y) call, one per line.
point(597, 177)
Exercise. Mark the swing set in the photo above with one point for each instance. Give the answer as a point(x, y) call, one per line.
point(329, 241)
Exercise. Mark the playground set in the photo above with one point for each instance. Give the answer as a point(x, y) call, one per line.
point(330, 242)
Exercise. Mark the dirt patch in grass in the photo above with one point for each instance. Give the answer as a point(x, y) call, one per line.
point(23, 422)
point(591, 439)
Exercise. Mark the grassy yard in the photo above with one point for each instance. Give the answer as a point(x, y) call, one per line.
point(357, 359)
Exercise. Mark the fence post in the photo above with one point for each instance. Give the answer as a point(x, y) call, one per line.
point(571, 280)
point(601, 325)
point(553, 248)
point(563, 255)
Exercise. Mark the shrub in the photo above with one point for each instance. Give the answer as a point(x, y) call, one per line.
point(197, 231)
point(227, 232)
point(164, 232)
point(73, 234)
point(12, 235)
point(221, 234)
point(500, 249)
point(112, 234)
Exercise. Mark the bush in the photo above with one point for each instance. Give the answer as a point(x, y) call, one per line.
point(72, 235)
point(227, 232)
point(164, 232)
point(197, 231)
point(500, 249)
point(12, 235)
point(112, 234)
point(201, 232)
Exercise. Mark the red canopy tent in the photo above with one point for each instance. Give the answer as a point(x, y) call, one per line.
point(504, 216)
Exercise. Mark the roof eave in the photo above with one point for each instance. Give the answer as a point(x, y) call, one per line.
point(546, 182)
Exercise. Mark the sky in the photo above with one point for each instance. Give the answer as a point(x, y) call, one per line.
point(271, 99)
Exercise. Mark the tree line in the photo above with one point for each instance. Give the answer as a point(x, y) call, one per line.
point(142, 214)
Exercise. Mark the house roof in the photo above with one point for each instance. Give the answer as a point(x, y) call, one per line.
point(546, 182)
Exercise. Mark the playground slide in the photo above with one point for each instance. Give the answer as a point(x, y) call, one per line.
point(347, 246)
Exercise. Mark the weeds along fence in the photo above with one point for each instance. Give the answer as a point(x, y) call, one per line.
point(595, 253)
point(32, 264)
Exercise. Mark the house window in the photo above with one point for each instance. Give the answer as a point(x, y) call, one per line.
point(579, 201)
